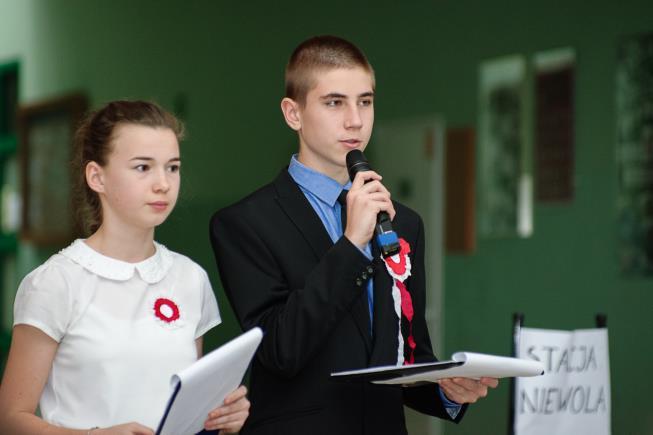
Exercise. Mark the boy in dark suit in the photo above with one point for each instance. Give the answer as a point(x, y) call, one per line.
point(319, 289)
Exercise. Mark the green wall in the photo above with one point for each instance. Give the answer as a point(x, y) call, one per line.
point(223, 63)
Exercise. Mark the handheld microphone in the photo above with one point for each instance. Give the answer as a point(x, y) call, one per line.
point(385, 236)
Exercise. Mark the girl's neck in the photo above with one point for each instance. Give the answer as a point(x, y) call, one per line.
point(130, 246)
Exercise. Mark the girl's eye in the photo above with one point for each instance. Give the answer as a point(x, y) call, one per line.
point(142, 168)
point(173, 168)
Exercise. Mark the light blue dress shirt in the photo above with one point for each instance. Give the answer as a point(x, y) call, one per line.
point(322, 193)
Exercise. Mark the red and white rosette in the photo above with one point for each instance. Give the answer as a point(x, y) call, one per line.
point(398, 267)
point(166, 311)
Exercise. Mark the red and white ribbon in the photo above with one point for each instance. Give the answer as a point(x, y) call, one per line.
point(398, 267)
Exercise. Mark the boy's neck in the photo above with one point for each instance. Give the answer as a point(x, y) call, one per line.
point(337, 172)
point(128, 246)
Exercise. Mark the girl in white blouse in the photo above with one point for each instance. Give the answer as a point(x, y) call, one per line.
point(100, 327)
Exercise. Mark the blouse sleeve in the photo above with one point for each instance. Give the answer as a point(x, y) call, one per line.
point(44, 301)
point(210, 312)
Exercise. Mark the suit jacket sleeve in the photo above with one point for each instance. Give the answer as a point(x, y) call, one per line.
point(295, 321)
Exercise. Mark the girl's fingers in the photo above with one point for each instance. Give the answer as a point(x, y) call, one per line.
point(235, 395)
point(232, 421)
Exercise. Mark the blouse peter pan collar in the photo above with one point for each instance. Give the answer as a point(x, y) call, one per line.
point(151, 270)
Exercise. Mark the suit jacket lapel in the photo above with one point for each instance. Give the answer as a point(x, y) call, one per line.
point(301, 213)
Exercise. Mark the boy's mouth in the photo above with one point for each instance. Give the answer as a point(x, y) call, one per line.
point(352, 143)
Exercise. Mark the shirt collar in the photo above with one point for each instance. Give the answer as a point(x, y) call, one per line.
point(151, 270)
point(322, 186)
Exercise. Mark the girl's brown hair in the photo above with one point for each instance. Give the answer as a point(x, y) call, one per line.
point(93, 143)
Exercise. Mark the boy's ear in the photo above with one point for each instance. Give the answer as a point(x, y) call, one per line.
point(291, 113)
point(95, 177)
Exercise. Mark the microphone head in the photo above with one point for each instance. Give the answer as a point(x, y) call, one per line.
point(356, 162)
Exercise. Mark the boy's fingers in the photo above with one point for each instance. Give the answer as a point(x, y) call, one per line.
point(362, 177)
point(490, 382)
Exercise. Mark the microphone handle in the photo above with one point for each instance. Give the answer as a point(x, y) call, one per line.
point(382, 217)
point(386, 238)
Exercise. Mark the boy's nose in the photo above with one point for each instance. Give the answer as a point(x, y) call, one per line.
point(353, 119)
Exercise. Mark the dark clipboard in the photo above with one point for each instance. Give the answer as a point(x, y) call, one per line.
point(389, 372)
point(162, 423)
point(173, 396)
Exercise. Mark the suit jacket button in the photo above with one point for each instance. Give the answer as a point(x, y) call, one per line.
point(359, 282)
point(370, 269)
point(364, 275)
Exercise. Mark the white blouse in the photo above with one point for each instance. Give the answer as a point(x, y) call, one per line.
point(123, 329)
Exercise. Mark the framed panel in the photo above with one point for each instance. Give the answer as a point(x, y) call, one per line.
point(45, 132)
point(460, 198)
point(634, 146)
point(505, 179)
point(554, 125)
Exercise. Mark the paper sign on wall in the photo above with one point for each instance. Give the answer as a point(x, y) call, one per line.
point(573, 396)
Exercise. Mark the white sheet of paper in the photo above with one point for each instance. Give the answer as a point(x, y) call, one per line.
point(206, 383)
point(474, 365)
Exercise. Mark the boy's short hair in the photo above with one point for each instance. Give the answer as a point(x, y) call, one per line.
point(320, 53)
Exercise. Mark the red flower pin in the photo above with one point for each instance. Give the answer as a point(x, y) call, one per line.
point(397, 263)
point(166, 310)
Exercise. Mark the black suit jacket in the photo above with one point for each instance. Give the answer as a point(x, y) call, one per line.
point(281, 271)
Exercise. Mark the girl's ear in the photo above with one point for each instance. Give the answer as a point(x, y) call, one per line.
point(95, 177)
point(291, 113)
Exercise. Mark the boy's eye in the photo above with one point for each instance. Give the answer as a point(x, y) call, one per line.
point(142, 168)
point(173, 168)
point(366, 102)
point(333, 103)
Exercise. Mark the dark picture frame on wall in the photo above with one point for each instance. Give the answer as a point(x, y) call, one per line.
point(45, 135)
